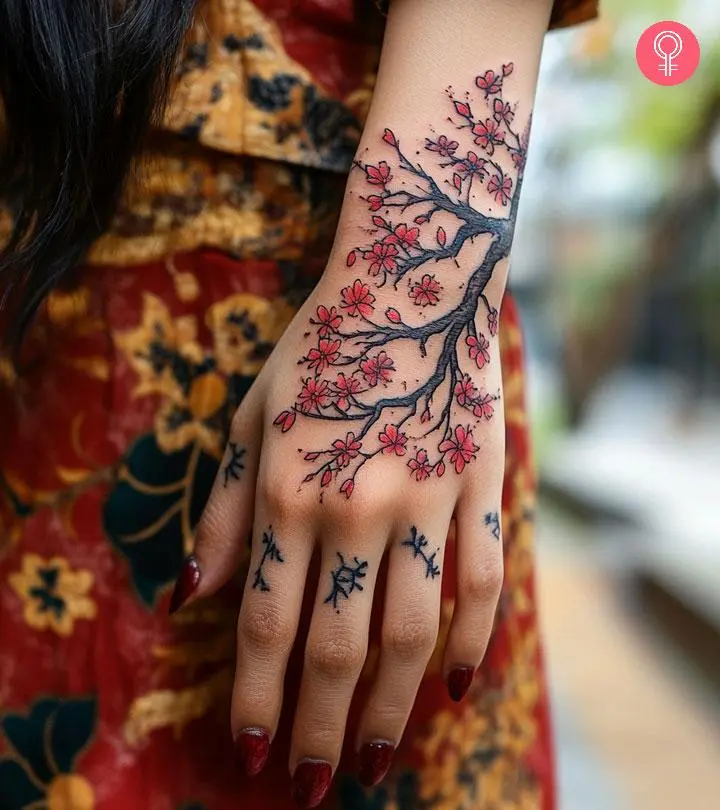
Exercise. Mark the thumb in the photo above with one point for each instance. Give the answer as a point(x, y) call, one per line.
point(221, 537)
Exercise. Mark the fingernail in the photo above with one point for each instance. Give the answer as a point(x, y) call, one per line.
point(311, 781)
point(458, 682)
point(186, 584)
point(375, 760)
point(253, 747)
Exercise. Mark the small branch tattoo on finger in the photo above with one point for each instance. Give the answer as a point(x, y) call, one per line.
point(271, 553)
point(419, 545)
point(235, 465)
point(346, 579)
point(492, 520)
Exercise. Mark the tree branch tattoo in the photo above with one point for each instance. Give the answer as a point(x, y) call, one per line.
point(272, 553)
point(492, 519)
point(235, 465)
point(346, 579)
point(419, 544)
point(425, 220)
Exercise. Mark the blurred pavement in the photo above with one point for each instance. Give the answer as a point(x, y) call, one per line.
point(635, 730)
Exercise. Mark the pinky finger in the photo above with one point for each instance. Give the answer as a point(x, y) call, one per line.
point(221, 538)
point(479, 582)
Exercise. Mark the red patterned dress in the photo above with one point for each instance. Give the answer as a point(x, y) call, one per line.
point(112, 428)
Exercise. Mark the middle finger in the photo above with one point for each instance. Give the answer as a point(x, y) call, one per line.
point(334, 657)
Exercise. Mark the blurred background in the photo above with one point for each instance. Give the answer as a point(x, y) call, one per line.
point(617, 268)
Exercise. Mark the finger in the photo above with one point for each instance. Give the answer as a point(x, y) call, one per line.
point(409, 633)
point(334, 657)
point(267, 627)
point(479, 561)
point(221, 537)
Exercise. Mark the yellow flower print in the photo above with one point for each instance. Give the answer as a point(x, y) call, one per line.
point(195, 386)
point(481, 756)
point(53, 594)
point(154, 348)
point(178, 425)
point(245, 329)
point(169, 362)
point(70, 791)
point(176, 428)
point(208, 393)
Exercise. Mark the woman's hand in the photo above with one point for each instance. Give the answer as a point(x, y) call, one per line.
point(412, 469)
point(378, 418)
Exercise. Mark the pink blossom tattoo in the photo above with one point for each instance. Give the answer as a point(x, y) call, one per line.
point(418, 285)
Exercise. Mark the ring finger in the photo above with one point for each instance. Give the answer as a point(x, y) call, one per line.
point(409, 634)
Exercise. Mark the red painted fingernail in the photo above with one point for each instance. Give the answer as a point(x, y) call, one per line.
point(253, 747)
point(186, 584)
point(375, 760)
point(458, 682)
point(311, 781)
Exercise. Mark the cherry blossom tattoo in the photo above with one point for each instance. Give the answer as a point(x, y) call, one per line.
point(235, 465)
point(271, 553)
point(492, 520)
point(419, 545)
point(346, 579)
point(401, 380)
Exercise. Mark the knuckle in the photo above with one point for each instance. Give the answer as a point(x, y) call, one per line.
point(238, 423)
point(484, 585)
point(367, 505)
point(336, 657)
point(265, 628)
point(282, 499)
point(377, 501)
point(412, 638)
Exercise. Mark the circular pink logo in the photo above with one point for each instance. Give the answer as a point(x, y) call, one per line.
point(668, 53)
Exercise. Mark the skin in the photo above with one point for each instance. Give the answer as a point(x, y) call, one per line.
point(430, 45)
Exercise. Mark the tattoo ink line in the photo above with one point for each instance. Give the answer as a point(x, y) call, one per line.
point(272, 553)
point(351, 370)
point(345, 580)
point(492, 519)
point(236, 464)
point(418, 543)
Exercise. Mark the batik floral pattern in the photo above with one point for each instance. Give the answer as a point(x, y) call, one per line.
point(54, 595)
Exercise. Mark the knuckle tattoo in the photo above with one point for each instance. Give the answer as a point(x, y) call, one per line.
point(420, 547)
point(234, 465)
point(492, 521)
point(271, 553)
point(346, 578)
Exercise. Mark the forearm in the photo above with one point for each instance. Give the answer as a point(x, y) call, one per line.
point(399, 341)
point(453, 137)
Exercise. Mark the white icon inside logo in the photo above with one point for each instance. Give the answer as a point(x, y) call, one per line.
point(668, 51)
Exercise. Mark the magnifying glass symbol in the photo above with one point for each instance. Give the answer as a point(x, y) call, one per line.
point(668, 46)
